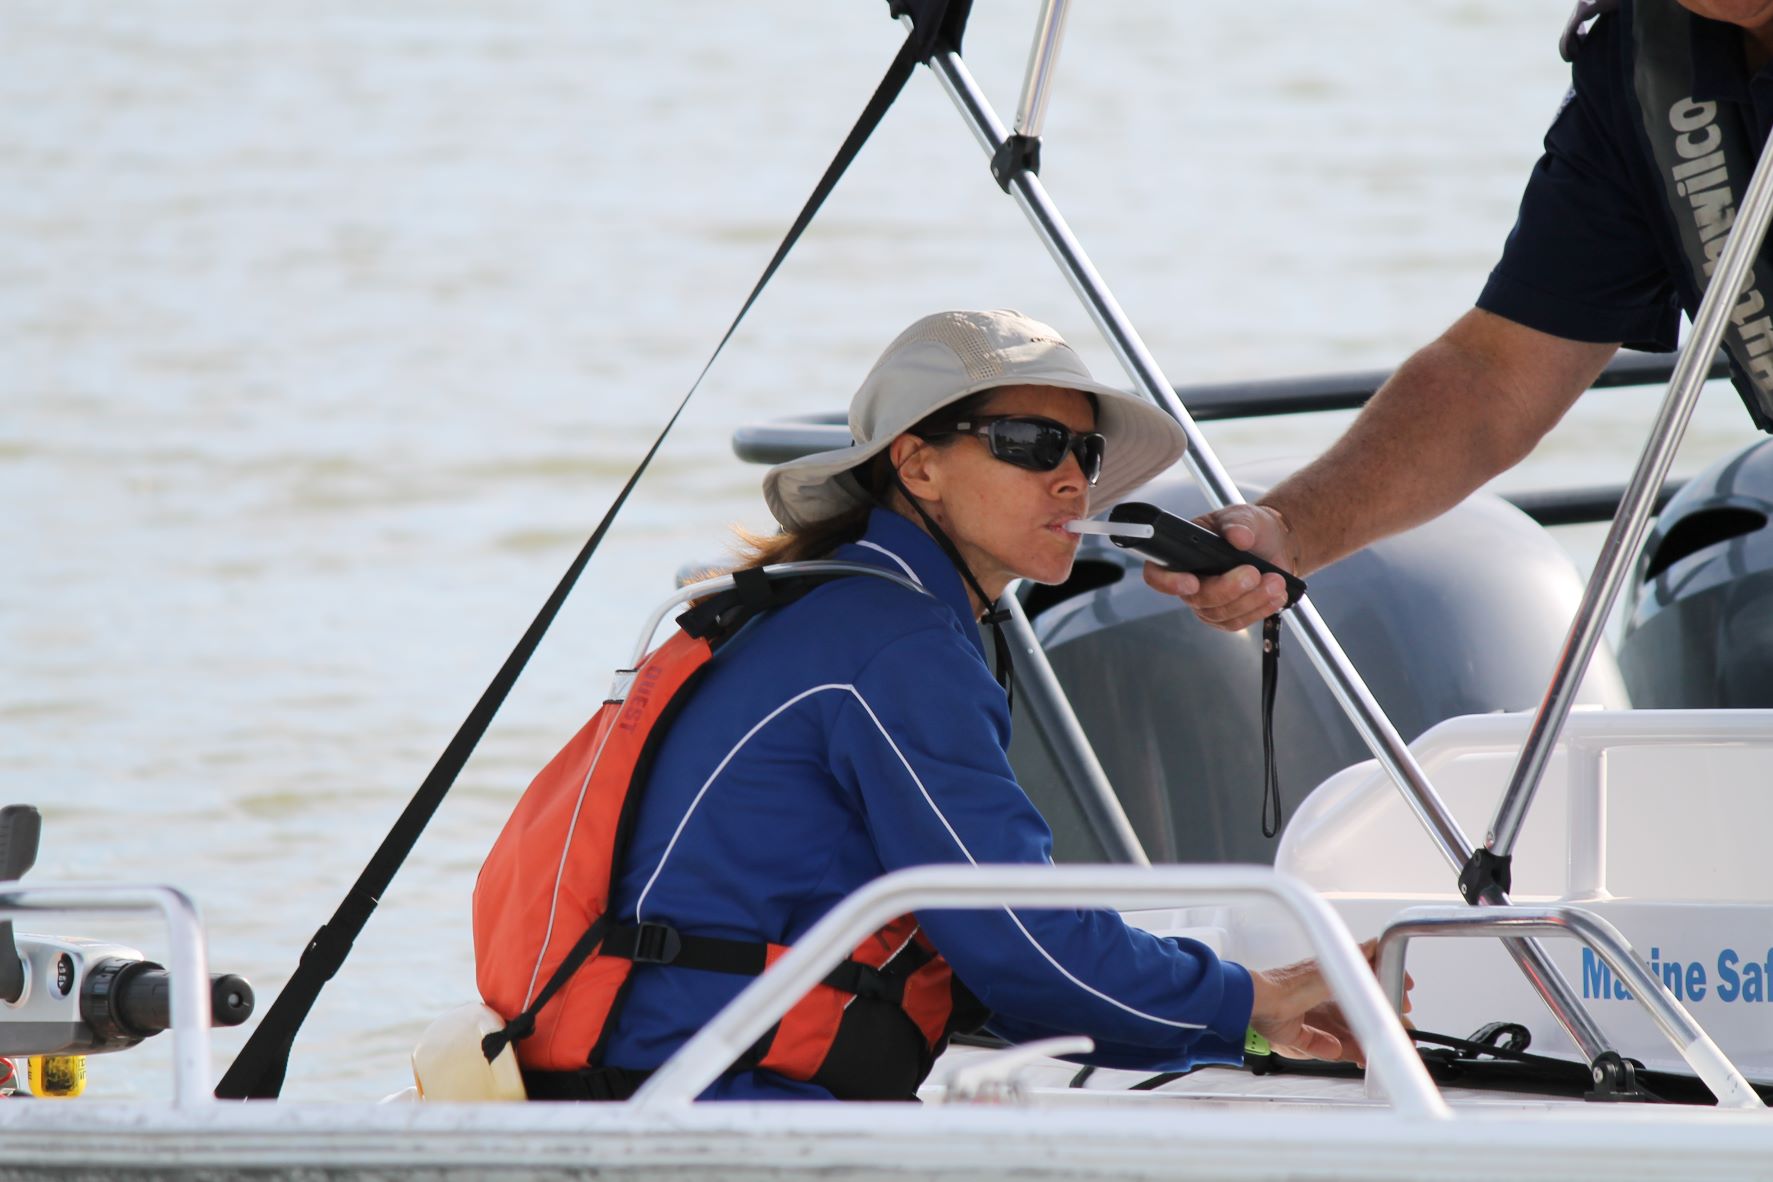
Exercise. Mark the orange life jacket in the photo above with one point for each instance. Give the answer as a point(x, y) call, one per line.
point(551, 959)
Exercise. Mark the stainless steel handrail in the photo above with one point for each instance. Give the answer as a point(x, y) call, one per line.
point(1326, 654)
point(1344, 681)
point(1632, 521)
point(1043, 59)
point(1054, 717)
point(191, 1082)
point(1703, 1055)
point(1391, 1060)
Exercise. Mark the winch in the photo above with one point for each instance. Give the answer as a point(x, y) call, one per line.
point(64, 996)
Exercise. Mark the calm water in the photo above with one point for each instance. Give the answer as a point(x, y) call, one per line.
point(328, 330)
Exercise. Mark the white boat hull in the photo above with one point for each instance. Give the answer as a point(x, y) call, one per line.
point(1071, 1135)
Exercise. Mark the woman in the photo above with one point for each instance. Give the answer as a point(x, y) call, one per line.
point(858, 730)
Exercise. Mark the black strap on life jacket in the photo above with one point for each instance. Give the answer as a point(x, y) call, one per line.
point(652, 943)
point(658, 943)
point(258, 1070)
point(719, 617)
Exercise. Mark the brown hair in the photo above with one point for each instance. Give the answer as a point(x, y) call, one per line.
point(819, 538)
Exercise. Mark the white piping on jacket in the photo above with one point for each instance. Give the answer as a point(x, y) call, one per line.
point(903, 565)
point(1014, 918)
point(709, 783)
point(560, 871)
point(940, 816)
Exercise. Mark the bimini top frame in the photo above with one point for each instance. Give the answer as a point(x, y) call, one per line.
point(1482, 871)
point(1345, 683)
point(1632, 521)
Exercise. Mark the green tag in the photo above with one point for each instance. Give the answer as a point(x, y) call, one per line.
point(1255, 1044)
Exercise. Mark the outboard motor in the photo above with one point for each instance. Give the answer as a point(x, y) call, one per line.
point(1463, 615)
point(1700, 630)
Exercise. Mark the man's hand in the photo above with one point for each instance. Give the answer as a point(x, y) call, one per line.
point(1462, 409)
point(1241, 596)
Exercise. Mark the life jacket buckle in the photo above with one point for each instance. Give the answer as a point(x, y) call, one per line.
point(656, 943)
point(866, 981)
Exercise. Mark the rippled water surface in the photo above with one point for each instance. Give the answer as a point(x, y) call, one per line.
point(328, 330)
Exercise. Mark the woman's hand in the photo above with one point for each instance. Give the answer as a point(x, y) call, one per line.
point(1241, 596)
point(1293, 1011)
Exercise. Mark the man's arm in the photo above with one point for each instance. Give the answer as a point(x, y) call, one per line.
point(1461, 410)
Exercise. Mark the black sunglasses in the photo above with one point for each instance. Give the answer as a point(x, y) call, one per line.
point(1037, 444)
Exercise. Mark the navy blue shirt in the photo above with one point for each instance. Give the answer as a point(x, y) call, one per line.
point(1593, 255)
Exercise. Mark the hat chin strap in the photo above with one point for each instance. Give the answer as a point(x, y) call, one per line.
point(993, 615)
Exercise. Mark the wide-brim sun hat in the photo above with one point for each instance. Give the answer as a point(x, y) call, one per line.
point(946, 357)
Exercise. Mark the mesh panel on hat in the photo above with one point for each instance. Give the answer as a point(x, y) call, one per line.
point(961, 337)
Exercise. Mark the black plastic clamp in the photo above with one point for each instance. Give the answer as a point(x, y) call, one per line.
point(1616, 1080)
point(936, 24)
point(1486, 875)
point(1016, 155)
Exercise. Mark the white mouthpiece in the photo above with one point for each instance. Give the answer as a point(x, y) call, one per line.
point(1110, 529)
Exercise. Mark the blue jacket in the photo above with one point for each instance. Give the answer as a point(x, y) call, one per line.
point(859, 731)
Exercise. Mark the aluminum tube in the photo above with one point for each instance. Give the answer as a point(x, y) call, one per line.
point(1307, 626)
point(191, 1083)
point(1043, 59)
point(1632, 522)
point(1390, 1056)
point(1077, 761)
point(1703, 1055)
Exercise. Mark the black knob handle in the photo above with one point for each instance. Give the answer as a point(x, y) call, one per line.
point(230, 999)
point(125, 1001)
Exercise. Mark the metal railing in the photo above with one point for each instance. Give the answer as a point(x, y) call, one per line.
point(1043, 59)
point(1320, 645)
point(1703, 1055)
point(1636, 507)
point(1392, 1062)
point(1072, 753)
